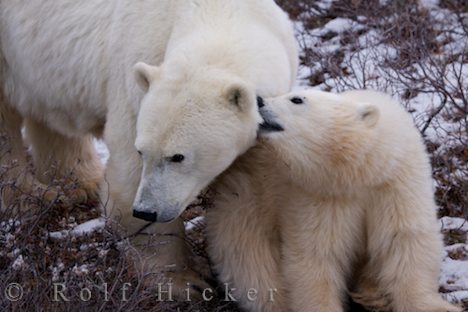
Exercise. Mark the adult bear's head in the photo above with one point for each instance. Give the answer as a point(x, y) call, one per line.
point(191, 126)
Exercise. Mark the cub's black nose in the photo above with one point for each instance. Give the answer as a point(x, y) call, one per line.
point(147, 216)
point(260, 102)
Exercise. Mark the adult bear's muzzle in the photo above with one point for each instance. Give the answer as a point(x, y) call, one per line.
point(144, 215)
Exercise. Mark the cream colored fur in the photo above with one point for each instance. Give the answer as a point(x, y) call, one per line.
point(340, 201)
point(67, 69)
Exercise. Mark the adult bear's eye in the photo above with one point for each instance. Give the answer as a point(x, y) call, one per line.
point(297, 100)
point(177, 158)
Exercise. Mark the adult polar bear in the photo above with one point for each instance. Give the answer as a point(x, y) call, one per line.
point(67, 69)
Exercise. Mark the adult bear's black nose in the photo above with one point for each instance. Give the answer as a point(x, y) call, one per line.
point(147, 216)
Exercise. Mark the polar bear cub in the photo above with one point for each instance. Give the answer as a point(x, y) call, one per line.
point(337, 197)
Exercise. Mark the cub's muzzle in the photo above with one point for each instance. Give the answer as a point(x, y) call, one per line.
point(270, 122)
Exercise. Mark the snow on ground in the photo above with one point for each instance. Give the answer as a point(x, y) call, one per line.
point(454, 273)
point(430, 3)
point(192, 224)
point(448, 223)
point(85, 228)
point(89, 226)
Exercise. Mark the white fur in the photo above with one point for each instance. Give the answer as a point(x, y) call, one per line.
point(340, 201)
point(67, 67)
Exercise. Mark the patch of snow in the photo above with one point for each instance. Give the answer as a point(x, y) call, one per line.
point(340, 25)
point(80, 270)
point(103, 253)
point(190, 225)
point(84, 247)
point(325, 4)
point(450, 223)
point(369, 39)
point(58, 235)
point(456, 71)
point(430, 4)
point(89, 226)
point(56, 270)
point(457, 296)
point(6, 226)
point(454, 275)
point(19, 263)
point(85, 228)
point(423, 102)
point(458, 246)
point(304, 72)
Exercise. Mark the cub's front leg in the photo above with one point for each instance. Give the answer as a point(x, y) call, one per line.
point(314, 282)
point(319, 243)
point(243, 244)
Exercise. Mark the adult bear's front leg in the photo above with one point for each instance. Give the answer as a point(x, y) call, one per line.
point(16, 176)
point(72, 159)
point(159, 247)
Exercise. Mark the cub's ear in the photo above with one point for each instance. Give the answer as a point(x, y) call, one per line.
point(145, 74)
point(369, 114)
point(239, 96)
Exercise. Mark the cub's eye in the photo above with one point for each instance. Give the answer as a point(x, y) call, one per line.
point(140, 153)
point(177, 158)
point(297, 100)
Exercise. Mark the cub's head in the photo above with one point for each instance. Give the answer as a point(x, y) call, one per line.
point(316, 134)
point(190, 128)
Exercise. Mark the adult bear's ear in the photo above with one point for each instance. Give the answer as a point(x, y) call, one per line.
point(145, 74)
point(369, 113)
point(239, 96)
